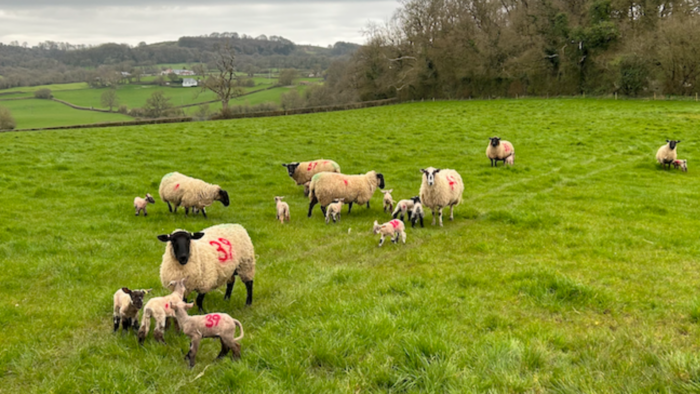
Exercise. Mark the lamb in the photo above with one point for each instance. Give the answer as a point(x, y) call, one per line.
point(498, 150)
point(208, 259)
point(393, 229)
point(159, 308)
point(306, 188)
point(439, 189)
point(388, 200)
point(282, 209)
point(333, 210)
point(404, 208)
point(667, 153)
point(126, 307)
point(180, 189)
point(328, 186)
point(682, 164)
point(213, 325)
point(140, 204)
point(304, 171)
point(417, 212)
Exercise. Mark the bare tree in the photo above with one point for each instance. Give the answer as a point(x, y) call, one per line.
point(110, 99)
point(224, 82)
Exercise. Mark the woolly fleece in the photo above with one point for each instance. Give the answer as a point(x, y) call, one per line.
point(307, 169)
point(441, 194)
point(330, 186)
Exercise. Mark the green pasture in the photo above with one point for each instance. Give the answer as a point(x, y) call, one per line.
point(54, 88)
point(574, 271)
point(36, 113)
point(273, 95)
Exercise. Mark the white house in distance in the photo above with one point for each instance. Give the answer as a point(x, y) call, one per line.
point(189, 82)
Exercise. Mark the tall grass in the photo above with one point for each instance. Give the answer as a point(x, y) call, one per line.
point(573, 271)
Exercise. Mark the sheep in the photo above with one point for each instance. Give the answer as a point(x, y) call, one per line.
point(140, 204)
point(417, 212)
point(282, 209)
point(404, 208)
point(393, 229)
point(208, 259)
point(682, 164)
point(213, 325)
point(126, 307)
point(333, 210)
point(302, 172)
point(388, 200)
point(498, 150)
point(189, 192)
point(667, 153)
point(439, 189)
point(328, 186)
point(159, 309)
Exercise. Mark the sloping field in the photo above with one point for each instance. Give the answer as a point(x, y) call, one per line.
point(36, 113)
point(576, 270)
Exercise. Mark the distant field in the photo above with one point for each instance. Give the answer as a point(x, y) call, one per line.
point(56, 87)
point(574, 271)
point(267, 96)
point(35, 113)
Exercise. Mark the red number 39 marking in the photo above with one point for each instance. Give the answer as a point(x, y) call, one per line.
point(212, 320)
point(224, 254)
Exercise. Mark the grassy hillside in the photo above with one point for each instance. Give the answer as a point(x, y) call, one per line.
point(36, 113)
point(576, 270)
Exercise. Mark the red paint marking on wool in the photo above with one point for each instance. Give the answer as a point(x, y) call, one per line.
point(312, 165)
point(507, 147)
point(451, 179)
point(325, 162)
point(212, 320)
point(176, 186)
point(226, 254)
point(166, 306)
point(346, 182)
point(394, 223)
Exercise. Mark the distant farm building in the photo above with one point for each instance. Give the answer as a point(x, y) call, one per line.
point(177, 72)
point(189, 82)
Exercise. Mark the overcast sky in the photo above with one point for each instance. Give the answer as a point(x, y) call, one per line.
point(132, 21)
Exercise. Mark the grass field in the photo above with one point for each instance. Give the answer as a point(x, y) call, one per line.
point(36, 113)
point(576, 270)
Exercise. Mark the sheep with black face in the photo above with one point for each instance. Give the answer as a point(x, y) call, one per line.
point(302, 172)
point(189, 192)
point(327, 187)
point(667, 154)
point(498, 150)
point(209, 259)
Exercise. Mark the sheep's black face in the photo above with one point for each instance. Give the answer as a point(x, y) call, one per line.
point(672, 144)
point(291, 167)
point(495, 141)
point(415, 199)
point(380, 177)
point(430, 175)
point(180, 241)
point(223, 197)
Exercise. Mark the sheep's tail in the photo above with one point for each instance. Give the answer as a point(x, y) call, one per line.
point(145, 324)
point(240, 326)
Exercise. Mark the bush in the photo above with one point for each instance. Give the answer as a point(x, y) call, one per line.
point(287, 76)
point(43, 94)
point(7, 122)
point(123, 109)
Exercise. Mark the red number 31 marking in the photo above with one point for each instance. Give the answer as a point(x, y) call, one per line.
point(225, 255)
point(212, 320)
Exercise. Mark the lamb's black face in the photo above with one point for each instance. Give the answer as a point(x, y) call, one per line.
point(415, 199)
point(136, 296)
point(495, 141)
point(180, 241)
point(672, 144)
point(150, 199)
point(223, 197)
point(291, 167)
point(381, 180)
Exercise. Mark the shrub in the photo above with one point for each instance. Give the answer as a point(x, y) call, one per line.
point(7, 122)
point(123, 109)
point(43, 94)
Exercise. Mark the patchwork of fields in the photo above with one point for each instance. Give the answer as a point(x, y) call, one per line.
point(576, 270)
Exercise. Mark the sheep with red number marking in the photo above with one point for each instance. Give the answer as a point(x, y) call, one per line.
point(209, 259)
point(498, 150)
point(126, 307)
point(189, 192)
point(282, 209)
point(327, 187)
point(302, 172)
point(441, 188)
point(667, 154)
point(159, 309)
point(141, 203)
point(393, 229)
point(213, 325)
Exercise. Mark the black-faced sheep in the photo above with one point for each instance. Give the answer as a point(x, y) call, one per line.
point(126, 307)
point(667, 153)
point(302, 172)
point(140, 204)
point(439, 189)
point(159, 309)
point(392, 229)
point(282, 209)
point(209, 259)
point(189, 192)
point(213, 325)
point(498, 150)
point(327, 187)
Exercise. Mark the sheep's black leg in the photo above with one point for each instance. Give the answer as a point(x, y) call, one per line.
point(170, 208)
point(249, 290)
point(395, 215)
point(224, 350)
point(409, 216)
point(187, 210)
point(125, 324)
point(349, 207)
point(323, 209)
point(116, 323)
point(313, 202)
point(229, 287)
point(200, 302)
point(367, 204)
point(421, 220)
point(204, 212)
point(135, 324)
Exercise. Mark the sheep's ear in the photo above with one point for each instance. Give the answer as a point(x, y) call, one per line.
point(284, 165)
point(148, 291)
point(197, 235)
point(172, 283)
point(678, 142)
point(437, 170)
point(164, 237)
point(668, 140)
point(126, 290)
point(189, 306)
